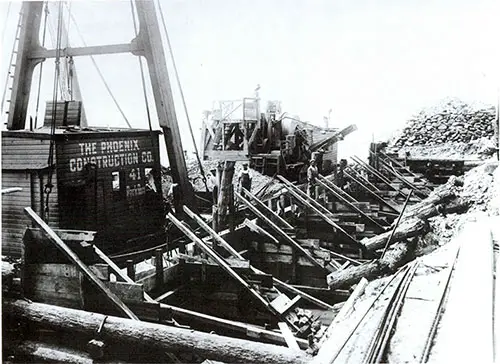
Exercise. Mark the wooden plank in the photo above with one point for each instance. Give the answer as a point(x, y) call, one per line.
point(364, 179)
point(373, 171)
point(346, 309)
point(11, 190)
point(373, 194)
point(256, 228)
point(267, 209)
point(206, 249)
point(316, 207)
point(344, 329)
point(337, 189)
point(61, 245)
point(212, 233)
point(168, 294)
point(285, 236)
point(352, 206)
point(58, 284)
point(288, 335)
point(127, 291)
point(389, 169)
point(170, 274)
point(275, 280)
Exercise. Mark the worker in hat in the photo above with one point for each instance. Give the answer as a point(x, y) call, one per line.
point(244, 179)
point(312, 174)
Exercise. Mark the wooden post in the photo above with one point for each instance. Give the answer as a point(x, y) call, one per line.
point(131, 269)
point(149, 38)
point(225, 191)
point(159, 267)
point(294, 265)
point(61, 245)
point(231, 209)
point(215, 218)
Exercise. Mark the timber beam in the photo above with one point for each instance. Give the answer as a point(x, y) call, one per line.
point(61, 245)
point(374, 172)
point(220, 261)
point(339, 190)
point(42, 53)
point(162, 337)
point(271, 212)
point(348, 203)
point(237, 255)
point(373, 194)
point(316, 207)
point(283, 234)
point(204, 319)
point(362, 178)
point(401, 178)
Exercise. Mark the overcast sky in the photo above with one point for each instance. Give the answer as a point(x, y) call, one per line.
point(374, 63)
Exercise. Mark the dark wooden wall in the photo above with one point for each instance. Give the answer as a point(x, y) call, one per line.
point(24, 165)
point(82, 196)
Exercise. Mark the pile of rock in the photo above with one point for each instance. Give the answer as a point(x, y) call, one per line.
point(450, 121)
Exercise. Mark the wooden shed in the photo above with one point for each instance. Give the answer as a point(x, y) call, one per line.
point(103, 180)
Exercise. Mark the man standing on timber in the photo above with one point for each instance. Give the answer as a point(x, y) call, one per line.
point(244, 179)
point(312, 174)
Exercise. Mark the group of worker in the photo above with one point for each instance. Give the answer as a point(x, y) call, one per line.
point(244, 181)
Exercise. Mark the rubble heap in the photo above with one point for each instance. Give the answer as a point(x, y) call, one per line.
point(262, 185)
point(452, 120)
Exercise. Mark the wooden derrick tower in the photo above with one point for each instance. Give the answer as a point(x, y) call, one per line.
point(95, 179)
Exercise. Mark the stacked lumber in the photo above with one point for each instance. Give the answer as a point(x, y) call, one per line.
point(64, 113)
point(451, 121)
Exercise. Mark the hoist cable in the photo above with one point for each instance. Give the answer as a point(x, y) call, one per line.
point(53, 38)
point(69, 60)
point(41, 64)
point(182, 95)
point(49, 185)
point(100, 73)
point(6, 22)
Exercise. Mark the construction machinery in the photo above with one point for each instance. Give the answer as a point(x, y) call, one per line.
point(274, 142)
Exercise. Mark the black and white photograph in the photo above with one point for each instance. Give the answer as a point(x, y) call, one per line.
point(250, 181)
